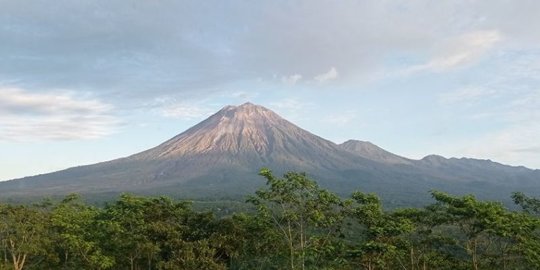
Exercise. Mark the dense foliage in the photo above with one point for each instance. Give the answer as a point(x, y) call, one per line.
point(293, 224)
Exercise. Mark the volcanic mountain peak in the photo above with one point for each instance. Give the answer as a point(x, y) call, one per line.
point(244, 129)
point(246, 112)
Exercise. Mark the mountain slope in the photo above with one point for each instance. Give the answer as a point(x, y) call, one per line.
point(249, 134)
point(373, 152)
point(220, 157)
point(230, 146)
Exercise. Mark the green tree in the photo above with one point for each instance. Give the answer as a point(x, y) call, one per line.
point(77, 238)
point(157, 233)
point(529, 204)
point(381, 245)
point(24, 234)
point(247, 241)
point(193, 255)
point(492, 236)
point(429, 245)
point(530, 243)
point(306, 216)
point(123, 227)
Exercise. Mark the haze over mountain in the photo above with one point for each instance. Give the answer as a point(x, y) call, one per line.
point(220, 157)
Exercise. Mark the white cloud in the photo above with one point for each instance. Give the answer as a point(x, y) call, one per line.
point(149, 48)
point(466, 49)
point(459, 51)
point(59, 115)
point(291, 80)
point(332, 74)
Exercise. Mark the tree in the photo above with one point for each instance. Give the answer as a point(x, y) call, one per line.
point(528, 204)
point(491, 235)
point(24, 233)
point(122, 225)
point(292, 224)
point(192, 256)
point(152, 233)
point(382, 231)
point(77, 237)
point(530, 243)
point(429, 245)
point(306, 216)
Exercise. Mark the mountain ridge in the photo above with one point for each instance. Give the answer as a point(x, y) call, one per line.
point(373, 152)
point(221, 156)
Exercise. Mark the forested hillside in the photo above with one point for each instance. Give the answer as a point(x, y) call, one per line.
point(292, 224)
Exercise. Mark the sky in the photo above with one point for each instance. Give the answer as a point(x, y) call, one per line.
point(94, 80)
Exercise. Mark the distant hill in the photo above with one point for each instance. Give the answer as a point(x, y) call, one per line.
point(373, 152)
point(220, 158)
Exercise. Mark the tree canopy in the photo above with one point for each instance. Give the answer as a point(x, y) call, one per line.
point(292, 223)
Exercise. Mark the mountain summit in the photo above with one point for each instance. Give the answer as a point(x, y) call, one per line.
point(251, 136)
point(221, 156)
point(234, 129)
point(245, 130)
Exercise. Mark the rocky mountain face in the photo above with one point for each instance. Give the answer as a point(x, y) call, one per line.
point(220, 158)
point(249, 135)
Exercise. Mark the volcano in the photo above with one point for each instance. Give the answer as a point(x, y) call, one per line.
point(220, 158)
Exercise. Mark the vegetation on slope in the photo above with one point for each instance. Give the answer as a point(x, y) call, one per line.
point(295, 224)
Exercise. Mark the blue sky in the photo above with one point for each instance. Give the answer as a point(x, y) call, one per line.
point(89, 81)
